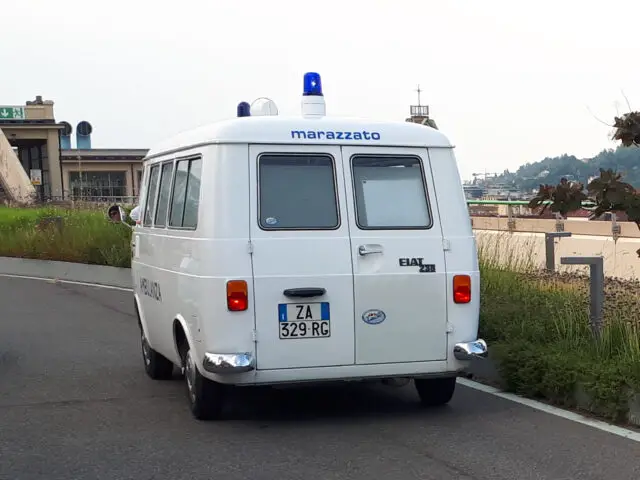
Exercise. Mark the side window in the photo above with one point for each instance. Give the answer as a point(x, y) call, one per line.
point(186, 194)
point(179, 194)
point(192, 202)
point(390, 192)
point(297, 192)
point(163, 196)
point(149, 204)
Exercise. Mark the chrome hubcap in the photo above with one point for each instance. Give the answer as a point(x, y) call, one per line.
point(190, 376)
point(146, 353)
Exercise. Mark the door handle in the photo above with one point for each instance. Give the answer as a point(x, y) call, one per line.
point(369, 249)
point(304, 292)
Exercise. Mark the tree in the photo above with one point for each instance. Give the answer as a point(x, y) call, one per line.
point(627, 129)
point(608, 192)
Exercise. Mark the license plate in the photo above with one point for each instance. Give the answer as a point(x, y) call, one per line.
point(304, 320)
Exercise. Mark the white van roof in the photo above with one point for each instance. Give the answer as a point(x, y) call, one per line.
point(292, 130)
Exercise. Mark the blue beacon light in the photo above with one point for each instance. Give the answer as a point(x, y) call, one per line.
point(312, 84)
point(244, 109)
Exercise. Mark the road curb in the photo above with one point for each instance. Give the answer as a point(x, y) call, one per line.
point(487, 371)
point(73, 272)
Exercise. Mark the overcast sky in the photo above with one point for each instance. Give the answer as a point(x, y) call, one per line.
point(509, 82)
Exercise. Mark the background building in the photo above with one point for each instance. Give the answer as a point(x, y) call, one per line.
point(95, 174)
point(57, 171)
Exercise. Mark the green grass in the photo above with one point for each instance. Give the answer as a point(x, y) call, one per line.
point(85, 236)
point(537, 324)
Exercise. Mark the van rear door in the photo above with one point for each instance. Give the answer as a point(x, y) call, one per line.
point(400, 287)
point(302, 269)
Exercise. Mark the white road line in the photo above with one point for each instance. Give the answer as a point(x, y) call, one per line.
point(71, 282)
point(558, 412)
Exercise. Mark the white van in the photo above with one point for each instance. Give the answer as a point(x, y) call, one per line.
point(276, 250)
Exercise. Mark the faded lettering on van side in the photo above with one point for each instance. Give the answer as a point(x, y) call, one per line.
point(417, 262)
point(150, 289)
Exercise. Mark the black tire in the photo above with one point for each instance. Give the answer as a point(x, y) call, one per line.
point(206, 397)
point(156, 365)
point(435, 391)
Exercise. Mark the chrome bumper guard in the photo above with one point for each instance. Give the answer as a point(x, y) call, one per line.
point(228, 362)
point(468, 350)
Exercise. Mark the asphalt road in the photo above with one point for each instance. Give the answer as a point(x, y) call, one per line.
point(75, 404)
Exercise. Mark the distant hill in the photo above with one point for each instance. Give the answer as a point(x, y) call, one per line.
point(625, 160)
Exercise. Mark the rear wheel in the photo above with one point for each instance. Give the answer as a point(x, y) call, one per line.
point(157, 366)
point(206, 397)
point(435, 391)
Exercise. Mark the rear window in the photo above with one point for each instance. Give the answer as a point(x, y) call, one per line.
point(297, 192)
point(390, 192)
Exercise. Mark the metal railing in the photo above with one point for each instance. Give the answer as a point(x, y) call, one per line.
point(512, 215)
point(88, 202)
point(523, 203)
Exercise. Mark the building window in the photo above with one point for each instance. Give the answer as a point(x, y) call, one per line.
point(185, 201)
point(35, 154)
point(139, 184)
point(46, 186)
point(390, 193)
point(97, 185)
point(32, 154)
point(297, 192)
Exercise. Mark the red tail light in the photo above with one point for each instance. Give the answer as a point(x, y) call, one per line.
point(462, 289)
point(237, 295)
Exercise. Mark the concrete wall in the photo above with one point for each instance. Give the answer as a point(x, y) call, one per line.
point(15, 182)
point(542, 225)
point(53, 154)
point(43, 111)
point(66, 271)
point(525, 245)
point(50, 135)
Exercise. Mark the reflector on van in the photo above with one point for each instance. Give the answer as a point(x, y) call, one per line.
point(462, 289)
point(237, 295)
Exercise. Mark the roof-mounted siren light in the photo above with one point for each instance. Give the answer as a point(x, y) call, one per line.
point(264, 106)
point(312, 98)
point(244, 109)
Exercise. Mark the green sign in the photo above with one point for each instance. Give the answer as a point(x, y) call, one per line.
point(12, 113)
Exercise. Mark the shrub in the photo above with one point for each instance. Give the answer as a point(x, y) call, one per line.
point(84, 237)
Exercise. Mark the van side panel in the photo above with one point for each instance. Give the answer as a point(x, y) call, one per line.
point(225, 251)
point(153, 285)
point(461, 257)
point(191, 267)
